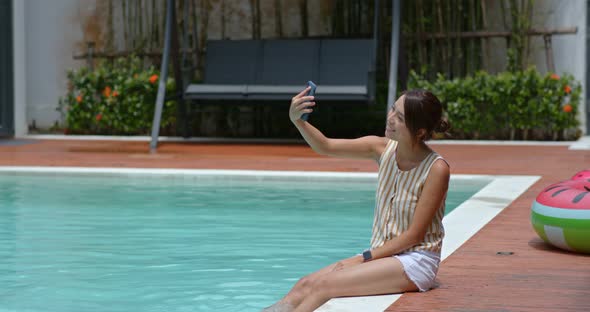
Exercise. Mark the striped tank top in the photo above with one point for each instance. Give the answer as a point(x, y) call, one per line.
point(396, 199)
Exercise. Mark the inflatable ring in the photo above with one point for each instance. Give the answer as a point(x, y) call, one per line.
point(561, 213)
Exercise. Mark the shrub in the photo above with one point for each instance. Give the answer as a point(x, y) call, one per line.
point(521, 104)
point(114, 98)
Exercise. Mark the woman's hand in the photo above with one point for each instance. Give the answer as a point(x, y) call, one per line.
point(301, 104)
point(348, 263)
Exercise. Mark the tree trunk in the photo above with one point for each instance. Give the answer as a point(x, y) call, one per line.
point(278, 19)
point(449, 41)
point(222, 19)
point(304, 19)
point(471, 66)
point(162, 23)
point(484, 41)
point(258, 20)
point(125, 22)
point(336, 18)
point(110, 31)
point(140, 32)
point(419, 20)
point(195, 43)
point(255, 10)
point(528, 10)
point(441, 29)
point(204, 13)
point(154, 38)
point(132, 23)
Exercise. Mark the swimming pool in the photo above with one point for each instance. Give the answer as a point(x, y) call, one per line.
point(167, 242)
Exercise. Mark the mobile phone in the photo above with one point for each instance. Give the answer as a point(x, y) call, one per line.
point(311, 92)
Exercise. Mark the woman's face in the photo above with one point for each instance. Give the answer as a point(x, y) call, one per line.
point(396, 127)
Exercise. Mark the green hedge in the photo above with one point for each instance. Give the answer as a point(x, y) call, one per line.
point(114, 98)
point(509, 105)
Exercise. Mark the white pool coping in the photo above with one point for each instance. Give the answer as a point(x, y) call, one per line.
point(460, 225)
point(582, 144)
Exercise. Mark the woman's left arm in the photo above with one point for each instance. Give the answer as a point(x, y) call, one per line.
point(433, 195)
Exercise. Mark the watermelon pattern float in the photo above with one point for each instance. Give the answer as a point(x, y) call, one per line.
point(561, 213)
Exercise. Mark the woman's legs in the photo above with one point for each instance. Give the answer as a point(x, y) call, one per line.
point(303, 286)
point(301, 289)
point(381, 276)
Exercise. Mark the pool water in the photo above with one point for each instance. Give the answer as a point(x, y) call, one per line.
point(83, 243)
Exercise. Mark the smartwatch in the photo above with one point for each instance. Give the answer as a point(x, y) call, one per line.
point(367, 256)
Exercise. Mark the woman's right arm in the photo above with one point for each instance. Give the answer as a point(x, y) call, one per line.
point(369, 147)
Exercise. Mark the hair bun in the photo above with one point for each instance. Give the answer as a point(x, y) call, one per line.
point(443, 126)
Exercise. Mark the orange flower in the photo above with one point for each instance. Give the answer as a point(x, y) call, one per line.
point(115, 93)
point(79, 99)
point(107, 92)
point(567, 108)
point(567, 89)
point(153, 79)
point(554, 76)
point(98, 117)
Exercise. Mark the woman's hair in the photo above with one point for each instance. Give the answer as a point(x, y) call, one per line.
point(423, 110)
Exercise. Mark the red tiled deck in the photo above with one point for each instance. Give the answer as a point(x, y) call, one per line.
point(536, 278)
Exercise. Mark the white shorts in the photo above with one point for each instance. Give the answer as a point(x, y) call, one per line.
point(420, 267)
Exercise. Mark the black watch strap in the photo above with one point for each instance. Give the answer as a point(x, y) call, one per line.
point(367, 256)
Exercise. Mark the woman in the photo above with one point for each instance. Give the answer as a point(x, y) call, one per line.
point(410, 201)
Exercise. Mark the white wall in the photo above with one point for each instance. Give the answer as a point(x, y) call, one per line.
point(569, 51)
point(50, 35)
point(19, 48)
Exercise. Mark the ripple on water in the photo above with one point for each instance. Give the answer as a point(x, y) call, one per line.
point(239, 284)
point(253, 297)
point(162, 266)
point(209, 297)
point(213, 270)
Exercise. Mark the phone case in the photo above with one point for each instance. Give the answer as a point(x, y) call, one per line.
point(311, 92)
